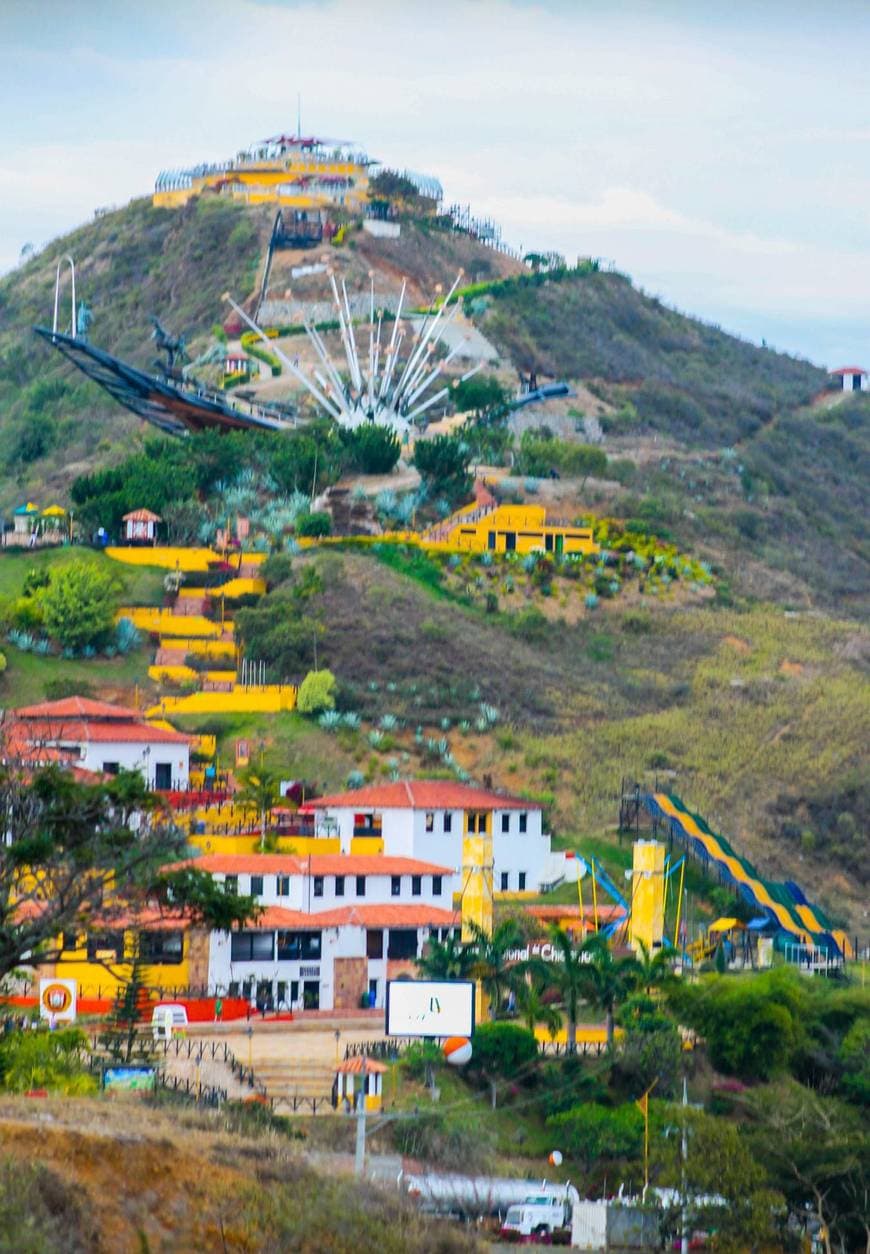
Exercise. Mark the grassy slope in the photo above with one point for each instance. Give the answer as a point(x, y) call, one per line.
point(745, 467)
point(757, 712)
point(28, 674)
point(130, 264)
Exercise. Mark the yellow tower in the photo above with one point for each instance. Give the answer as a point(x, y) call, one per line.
point(477, 877)
point(647, 894)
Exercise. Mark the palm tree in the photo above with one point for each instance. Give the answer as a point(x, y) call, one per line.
point(654, 969)
point(260, 790)
point(534, 1009)
point(567, 976)
point(607, 980)
point(449, 959)
point(491, 964)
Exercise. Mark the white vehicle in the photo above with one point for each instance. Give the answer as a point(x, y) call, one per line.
point(540, 1214)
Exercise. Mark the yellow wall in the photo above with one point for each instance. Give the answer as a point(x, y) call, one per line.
point(265, 699)
point(202, 647)
point(297, 846)
point(366, 844)
point(477, 876)
point(74, 965)
point(165, 623)
point(168, 557)
point(529, 527)
point(647, 894)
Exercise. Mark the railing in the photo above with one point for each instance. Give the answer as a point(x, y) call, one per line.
point(202, 1094)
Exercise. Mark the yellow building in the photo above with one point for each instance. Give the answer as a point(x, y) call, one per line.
point(514, 529)
point(174, 954)
point(647, 895)
point(288, 170)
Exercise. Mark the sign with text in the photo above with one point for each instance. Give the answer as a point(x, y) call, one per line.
point(430, 1008)
point(57, 1000)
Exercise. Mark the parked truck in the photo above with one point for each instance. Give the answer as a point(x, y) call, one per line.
point(541, 1214)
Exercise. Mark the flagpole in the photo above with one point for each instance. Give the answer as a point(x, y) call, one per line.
point(643, 1104)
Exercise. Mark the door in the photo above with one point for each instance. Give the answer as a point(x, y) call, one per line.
point(560, 545)
point(311, 995)
point(163, 776)
point(510, 541)
point(490, 540)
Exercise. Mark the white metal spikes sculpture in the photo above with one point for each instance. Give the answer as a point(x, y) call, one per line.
point(380, 387)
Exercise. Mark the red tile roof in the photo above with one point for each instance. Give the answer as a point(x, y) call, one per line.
point(317, 864)
point(142, 515)
point(354, 1066)
point(420, 794)
point(386, 915)
point(82, 731)
point(848, 370)
point(77, 707)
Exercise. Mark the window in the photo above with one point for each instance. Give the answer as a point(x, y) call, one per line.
point(69, 941)
point(231, 884)
point(402, 943)
point(283, 885)
point(251, 946)
point(374, 943)
point(430, 821)
point(318, 886)
point(416, 885)
point(505, 880)
point(339, 885)
point(256, 886)
point(360, 886)
point(448, 822)
point(476, 822)
point(106, 944)
point(298, 946)
point(522, 881)
point(111, 768)
point(436, 885)
point(163, 775)
point(505, 823)
point(396, 885)
point(162, 947)
point(524, 822)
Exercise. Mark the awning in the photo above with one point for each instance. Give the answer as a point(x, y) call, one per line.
point(726, 925)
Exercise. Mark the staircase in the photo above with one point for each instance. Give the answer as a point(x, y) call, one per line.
point(297, 1086)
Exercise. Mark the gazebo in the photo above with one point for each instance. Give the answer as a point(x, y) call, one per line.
point(25, 520)
point(140, 527)
point(356, 1077)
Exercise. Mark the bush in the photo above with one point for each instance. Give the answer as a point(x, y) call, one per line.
point(592, 1132)
point(316, 692)
point(45, 1060)
point(78, 606)
point(318, 523)
point(502, 1049)
point(443, 464)
point(374, 450)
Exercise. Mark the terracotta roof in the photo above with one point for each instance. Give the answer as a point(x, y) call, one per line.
point(317, 864)
point(386, 915)
point(848, 370)
point(142, 515)
point(77, 707)
point(420, 794)
point(354, 1066)
point(553, 914)
point(82, 731)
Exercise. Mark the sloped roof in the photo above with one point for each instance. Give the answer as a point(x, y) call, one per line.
point(77, 707)
point(388, 914)
point(420, 794)
point(848, 370)
point(142, 515)
point(317, 864)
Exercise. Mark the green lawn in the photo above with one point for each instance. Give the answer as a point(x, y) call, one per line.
point(141, 585)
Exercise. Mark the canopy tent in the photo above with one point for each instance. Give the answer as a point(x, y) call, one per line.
point(727, 925)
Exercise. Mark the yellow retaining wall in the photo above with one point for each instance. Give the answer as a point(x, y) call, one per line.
point(165, 623)
point(298, 846)
point(267, 699)
point(367, 844)
point(586, 1035)
point(201, 647)
point(166, 556)
point(242, 587)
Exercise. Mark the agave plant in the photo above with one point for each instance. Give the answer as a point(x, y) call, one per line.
point(355, 780)
point(591, 600)
point(376, 738)
point(127, 636)
point(329, 720)
point(445, 724)
point(351, 720)
point(388, 722)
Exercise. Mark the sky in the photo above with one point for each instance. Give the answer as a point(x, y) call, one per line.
point(718, 152)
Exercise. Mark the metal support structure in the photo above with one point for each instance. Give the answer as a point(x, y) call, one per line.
point(72, 270)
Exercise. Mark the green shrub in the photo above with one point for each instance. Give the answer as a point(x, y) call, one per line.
point(316, 692)
point(443, 464)
point(373, 449)
point(502, 1049)
point(592, 1132)
point(318, 523)
point(78, 606)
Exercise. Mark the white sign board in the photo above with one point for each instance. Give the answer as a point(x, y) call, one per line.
point(57, 1000)
point(430, 1008)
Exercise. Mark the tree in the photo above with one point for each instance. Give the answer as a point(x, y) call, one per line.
point(653, 970)
point(106, 851)
point(316, 692)
point(260, 790)
point(481, 394)
point(502, 1051)
point(533, 1006)
point(491, 966)
point(593, 1131)
point(78, 606)
point(449, 959)
point(817, 1152)
point(373, 449)
point(443, 464)
point(566, 976)
point(606, 980)
point(318, 523)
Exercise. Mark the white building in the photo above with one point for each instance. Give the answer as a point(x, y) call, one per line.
point(333, 930)
point(854, 378)
point(96, 736)
point(428, 818)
